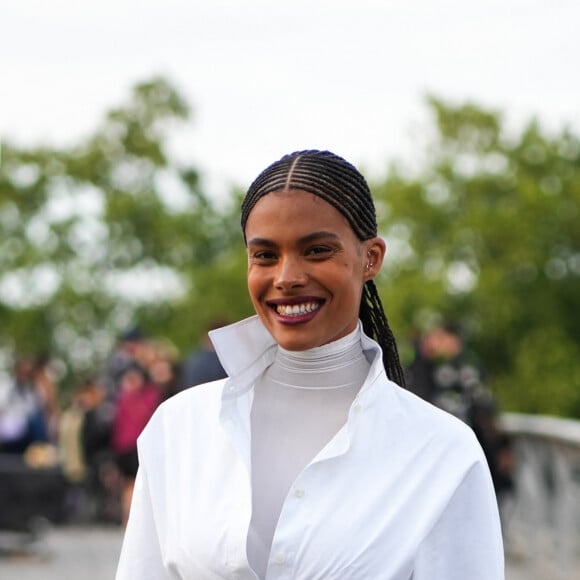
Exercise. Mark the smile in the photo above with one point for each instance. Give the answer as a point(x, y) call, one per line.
point(297, 309)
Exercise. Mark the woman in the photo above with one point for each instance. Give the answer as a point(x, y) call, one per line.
point(136, 401)
point(310, 462)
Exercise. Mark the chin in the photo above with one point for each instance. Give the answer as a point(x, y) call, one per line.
point(296, 346)
point(294, 340)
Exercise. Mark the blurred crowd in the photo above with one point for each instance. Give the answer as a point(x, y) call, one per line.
point(91, 434)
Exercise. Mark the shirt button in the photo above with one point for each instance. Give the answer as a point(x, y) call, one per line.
point(280, 559)
point(299, 493)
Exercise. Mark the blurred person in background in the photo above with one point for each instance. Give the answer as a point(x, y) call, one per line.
point(442, 372)
point(94, 489)
point(46, 386)
point(22, 417)
point(126, 352)
point(72, 457)
point(104, 480)
point(202, 365)
point(136, 401)
point(161, 362)
point(447, 375)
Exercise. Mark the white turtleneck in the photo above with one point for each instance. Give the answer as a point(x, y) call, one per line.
point(300, 402)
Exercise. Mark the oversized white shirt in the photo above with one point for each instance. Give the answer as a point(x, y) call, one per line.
point(402, 492)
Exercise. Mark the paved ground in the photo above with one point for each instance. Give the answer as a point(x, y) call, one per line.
point(64, 553)
point(91, 553)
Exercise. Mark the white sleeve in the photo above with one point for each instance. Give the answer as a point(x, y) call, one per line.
point(141, 553)
point(466, 541)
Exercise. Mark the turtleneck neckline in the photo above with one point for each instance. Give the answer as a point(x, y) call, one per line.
point(338, 364)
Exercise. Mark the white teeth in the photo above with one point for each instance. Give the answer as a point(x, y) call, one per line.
point(297, 309)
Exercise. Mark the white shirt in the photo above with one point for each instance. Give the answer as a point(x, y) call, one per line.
point(401, 492)
point(300, 402)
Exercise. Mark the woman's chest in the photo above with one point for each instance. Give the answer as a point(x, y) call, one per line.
point(337, 521)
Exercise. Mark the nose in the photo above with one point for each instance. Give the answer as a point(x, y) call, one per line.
point(290, 274)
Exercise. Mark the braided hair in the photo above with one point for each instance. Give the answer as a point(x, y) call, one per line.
point(339, 183)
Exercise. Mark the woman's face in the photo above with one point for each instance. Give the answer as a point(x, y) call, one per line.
point(306, 268)
point(132, 381)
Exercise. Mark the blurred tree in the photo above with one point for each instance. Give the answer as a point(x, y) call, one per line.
point(487, 235)
point(107, 233)
point(114, 231)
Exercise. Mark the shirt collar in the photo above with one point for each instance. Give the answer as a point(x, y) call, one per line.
point(238, 345)
point(241, 345)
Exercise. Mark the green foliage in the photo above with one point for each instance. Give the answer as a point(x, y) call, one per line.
point(113, 231)
point(108, 233)
point(487, 236)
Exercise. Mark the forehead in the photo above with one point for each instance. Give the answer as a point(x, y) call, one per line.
point(297, 209)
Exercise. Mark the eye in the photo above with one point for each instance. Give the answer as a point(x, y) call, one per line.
point(263, 256)
point(318, 251)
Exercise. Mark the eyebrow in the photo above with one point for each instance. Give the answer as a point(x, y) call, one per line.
point(313, 237)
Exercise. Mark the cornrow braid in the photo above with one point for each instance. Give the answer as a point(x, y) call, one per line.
point(339, 183)
point(376, 325)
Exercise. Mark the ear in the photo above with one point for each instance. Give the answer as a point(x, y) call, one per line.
point(374, 254)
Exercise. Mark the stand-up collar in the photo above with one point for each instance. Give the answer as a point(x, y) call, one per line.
point(240, 345)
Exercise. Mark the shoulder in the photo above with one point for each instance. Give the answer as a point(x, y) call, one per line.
point(191, 406)
point(191, 399)
point(431, 446)
point(426, 424)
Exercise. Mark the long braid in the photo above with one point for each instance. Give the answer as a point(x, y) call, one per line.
point(376, 325)
point(339, 183)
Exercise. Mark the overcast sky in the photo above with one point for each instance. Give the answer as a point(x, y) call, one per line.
point(266, 77)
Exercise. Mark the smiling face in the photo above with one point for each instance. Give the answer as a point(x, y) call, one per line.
point(306, 268)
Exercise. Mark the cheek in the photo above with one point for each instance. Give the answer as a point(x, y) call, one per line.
point(255, 284)
point(350, 280)
point(351, 273)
